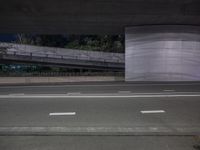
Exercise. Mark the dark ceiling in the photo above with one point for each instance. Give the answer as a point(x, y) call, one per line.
point(93, 16)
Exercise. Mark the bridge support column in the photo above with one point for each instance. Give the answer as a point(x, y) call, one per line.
point(162, 53)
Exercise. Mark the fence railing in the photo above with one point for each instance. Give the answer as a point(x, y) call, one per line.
point(54, 74)
point(77, 54)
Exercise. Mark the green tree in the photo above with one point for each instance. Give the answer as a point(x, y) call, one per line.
point(106, 43)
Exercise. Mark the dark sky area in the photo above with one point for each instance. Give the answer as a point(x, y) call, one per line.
point(7, 37)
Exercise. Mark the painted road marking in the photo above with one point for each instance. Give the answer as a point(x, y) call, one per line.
point(168, 90)
point(152, 111)
point(74, 93)
point(13, 94)
point(62, 114)
point(124, 91)
point(141, 95)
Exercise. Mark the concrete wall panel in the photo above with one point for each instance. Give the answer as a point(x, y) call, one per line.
point(163, 53)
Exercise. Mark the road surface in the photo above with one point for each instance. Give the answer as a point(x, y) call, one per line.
point(99, 143)
point(95, 112)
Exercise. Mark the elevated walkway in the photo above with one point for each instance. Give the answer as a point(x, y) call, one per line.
point(17, 53)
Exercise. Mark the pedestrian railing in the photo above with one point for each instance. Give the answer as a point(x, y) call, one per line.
point(54, 74)
point(18, 50)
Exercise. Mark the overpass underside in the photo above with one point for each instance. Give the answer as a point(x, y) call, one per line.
point(162, 36)
point(93, 16)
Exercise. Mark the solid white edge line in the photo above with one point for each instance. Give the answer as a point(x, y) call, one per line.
point(62, 114)
point(74, 93)
point(152, 111)
point(13, 94)
point(96, 96)
point(168, 90)
point(124, 91)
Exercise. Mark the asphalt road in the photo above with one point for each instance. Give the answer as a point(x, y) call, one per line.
point(108, 87)
point(99, 143)
point(100, 116)
point(109, 109)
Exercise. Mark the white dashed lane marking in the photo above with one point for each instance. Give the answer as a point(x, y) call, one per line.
point(152, 111)
point(62, 114)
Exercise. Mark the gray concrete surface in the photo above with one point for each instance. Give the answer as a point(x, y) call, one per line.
point(93, 16)
point(99, 143)
point(162, 53)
